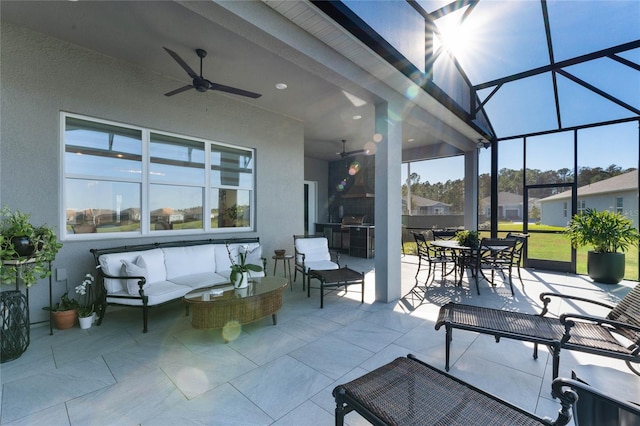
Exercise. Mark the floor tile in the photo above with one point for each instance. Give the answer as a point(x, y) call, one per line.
point(281, 385)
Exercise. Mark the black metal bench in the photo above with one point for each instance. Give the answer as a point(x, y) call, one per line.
point(410, 392)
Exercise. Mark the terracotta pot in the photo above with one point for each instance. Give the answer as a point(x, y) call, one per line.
point(65, 319)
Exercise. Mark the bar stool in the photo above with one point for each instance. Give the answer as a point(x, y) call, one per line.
point(286, 263)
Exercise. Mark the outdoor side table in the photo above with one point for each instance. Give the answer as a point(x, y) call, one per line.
point(336, 278)
point(286, 263)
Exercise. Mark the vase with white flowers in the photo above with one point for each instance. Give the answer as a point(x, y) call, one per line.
point(86, 305)
point(240, 269)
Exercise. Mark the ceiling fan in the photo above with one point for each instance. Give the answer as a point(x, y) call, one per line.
point(345, 154)
point(200, 83)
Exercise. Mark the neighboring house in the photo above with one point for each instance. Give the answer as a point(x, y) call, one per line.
point(510, 206)
point(421, 206)
point(619, 194)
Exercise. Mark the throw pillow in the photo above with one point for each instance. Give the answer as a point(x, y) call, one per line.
point(137, 268)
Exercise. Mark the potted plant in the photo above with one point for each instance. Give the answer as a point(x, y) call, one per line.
point(468, 238)
point(609, 234)
point(86, 306)
point(240, 268)
point(32, 247)
point(65, 312)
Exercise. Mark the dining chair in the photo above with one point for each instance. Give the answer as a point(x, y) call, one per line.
point(432, 257)
point(496, 255)
point(518, 252)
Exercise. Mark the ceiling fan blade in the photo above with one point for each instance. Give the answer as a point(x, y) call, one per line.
point(180, 90)
point(233, 90)
point(359, 151)
point(182, 63)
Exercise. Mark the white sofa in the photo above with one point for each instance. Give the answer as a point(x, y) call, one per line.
point(153, 274)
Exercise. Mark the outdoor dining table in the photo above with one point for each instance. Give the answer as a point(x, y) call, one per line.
point(460, 253)
point(467, 257)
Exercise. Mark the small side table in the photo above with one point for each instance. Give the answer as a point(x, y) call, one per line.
point(286, 263)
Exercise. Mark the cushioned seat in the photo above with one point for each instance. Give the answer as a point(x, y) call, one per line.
point(312, 253)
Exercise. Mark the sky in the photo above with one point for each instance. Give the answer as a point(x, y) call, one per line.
point(501, 38)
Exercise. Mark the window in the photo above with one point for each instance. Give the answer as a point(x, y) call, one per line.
point(582, 206)
point(133, 181)
point(565, 209)
point(619, 205)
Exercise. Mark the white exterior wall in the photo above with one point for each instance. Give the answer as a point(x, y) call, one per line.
point(41, 76)
point(552, 211)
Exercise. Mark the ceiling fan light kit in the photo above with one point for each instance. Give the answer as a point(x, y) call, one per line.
point(200, 83)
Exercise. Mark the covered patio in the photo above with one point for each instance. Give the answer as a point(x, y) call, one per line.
point(284, 374)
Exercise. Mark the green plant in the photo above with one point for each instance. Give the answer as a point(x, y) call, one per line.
point(42, 238)
point(606, 231)
point(65, 304)
point(85, 290)
point(241, 265)
point(468, 238)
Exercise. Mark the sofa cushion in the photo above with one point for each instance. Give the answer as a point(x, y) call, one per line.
point(111, 264)
point(159, 292)
point(181, 261)
point(137, 268)
point(223, 257)
point(203, 279)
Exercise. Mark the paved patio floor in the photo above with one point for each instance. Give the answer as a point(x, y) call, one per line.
point(284, 374)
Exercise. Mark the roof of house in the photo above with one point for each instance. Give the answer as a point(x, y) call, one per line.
point(418, 201)
point(620, 183)
point(507, 198)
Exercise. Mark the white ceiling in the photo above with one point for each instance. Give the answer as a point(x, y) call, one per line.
point(136, 31)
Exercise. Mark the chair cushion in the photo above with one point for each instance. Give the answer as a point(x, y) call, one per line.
point(314, 249)
point(323, 265)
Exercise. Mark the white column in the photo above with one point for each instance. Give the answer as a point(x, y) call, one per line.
point(388, 203)
point(471, 189)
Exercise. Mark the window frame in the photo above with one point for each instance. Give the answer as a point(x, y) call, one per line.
point(146, 183)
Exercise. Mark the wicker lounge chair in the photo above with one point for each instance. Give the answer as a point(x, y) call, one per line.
point(575, 332)
point(409, 392)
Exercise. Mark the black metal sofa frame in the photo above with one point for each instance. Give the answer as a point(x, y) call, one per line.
point(584, 333)
point(410, 392)
point(102, 293)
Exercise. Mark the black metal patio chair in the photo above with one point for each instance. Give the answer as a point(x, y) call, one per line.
point(496, 255)
point(616, 336)
point(432, 257)
point(521, 242)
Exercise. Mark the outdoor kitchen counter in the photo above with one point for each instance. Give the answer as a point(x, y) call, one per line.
point(356, 240)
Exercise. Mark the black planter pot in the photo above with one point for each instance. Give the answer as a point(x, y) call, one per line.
point(607, 268)
point(23, 246)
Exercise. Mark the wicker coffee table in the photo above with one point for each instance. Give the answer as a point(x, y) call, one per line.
point(216, 307)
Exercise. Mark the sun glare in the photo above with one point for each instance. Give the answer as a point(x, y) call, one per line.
point(455, 37)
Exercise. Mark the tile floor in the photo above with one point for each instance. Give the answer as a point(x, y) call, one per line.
point(278, 375)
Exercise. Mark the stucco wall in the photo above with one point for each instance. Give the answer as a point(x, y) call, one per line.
point(41, 76)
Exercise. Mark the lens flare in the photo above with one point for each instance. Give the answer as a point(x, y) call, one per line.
point(354, 168)
point(231, 331)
